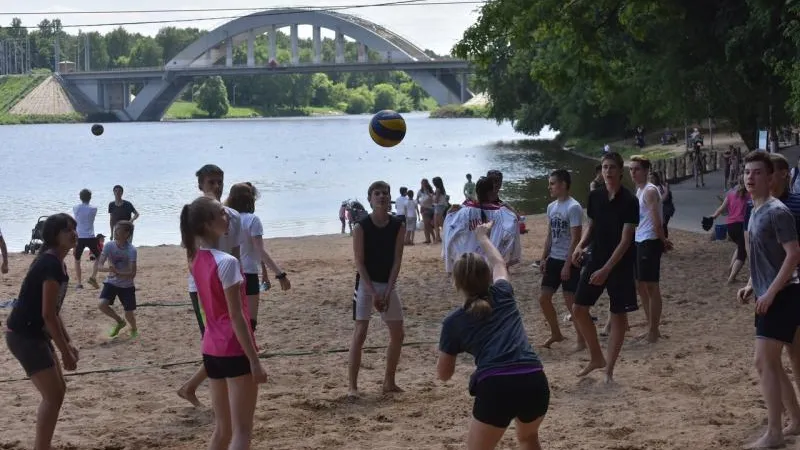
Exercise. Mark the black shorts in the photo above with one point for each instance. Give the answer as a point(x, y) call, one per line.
point(502, 398)
point(783, 316)
point(252, 284)
point(198, 312)
point(218, 367)
point(83, 244)
point(401, 218)
point(552, 276)
point(127, 296)
point(33, 354)
point(620, 285)
point(648, 260)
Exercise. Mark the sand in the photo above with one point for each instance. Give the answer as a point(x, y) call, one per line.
point(696, 389)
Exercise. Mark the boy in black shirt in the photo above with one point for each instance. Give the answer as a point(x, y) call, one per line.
point(613, 214)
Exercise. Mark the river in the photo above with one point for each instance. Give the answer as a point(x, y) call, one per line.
point(304, 168)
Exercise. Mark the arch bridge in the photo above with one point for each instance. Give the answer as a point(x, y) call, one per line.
point(212, 54)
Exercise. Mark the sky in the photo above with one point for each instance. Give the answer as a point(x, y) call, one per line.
point(435, 27)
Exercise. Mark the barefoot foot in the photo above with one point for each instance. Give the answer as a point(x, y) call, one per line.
point(793, 429)
point(766, 441)
point(391, 388)
point(189, 396)
point(553, 340)
point(593, 365)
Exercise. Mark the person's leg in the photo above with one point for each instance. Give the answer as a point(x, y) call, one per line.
point(52, 387)
point(528, 434)
point(188, 391)
point(794, 357)
point(619, 325)
point(242, 395)
point(77, 253)
point(483, 436)
point(94, 249)
point(654, 317)
point(644, 296)
point(220, 403)
point(768, 364)
point(586, 296)
point(550, 315)
point(354, 355)
point(569, 300)
point(396, 337)
point(127, 296)
point(790, 404)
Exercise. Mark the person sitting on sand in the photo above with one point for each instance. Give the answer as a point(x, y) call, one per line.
point(509, 382)
point(230, 356)
point(121, 255)
point(774, 256)
point(210, 180)
point(35, 324)
point(378, 242)
point(613, 214)
point(564, 225)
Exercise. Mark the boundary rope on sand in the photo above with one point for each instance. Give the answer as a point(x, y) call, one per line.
point(263, 355)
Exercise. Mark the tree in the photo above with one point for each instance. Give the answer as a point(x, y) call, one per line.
point(385, 97)
point(212, 97)
point(119, 43)
point(147, 53)
point(173, 40)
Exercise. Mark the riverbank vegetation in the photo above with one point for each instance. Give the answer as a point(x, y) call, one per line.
point(459, 112)
point(598, 70)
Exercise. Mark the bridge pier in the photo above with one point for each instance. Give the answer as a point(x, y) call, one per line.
point(293, 37)
point(362, 53)
point(339, 46)
point(229, 52)
point(317, 45)
point(272, 37)
point(464, 91)
point(251, 45)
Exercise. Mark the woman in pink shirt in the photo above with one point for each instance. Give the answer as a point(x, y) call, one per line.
point(736, 204)
point(230, 356)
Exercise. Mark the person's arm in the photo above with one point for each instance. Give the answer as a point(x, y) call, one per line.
point(449, 348)
point(655, 209)
point(548, 242)
point(358, 256)
point(52, 321)
point(721, 208)
point(399, 245)
point(101, 262)
point(445, 366)
point(233, 296)
point(493, 256)
point(258, 242)
point(134, 212)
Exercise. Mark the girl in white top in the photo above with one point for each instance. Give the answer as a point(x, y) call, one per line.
point(242, 198)
point(411, 217)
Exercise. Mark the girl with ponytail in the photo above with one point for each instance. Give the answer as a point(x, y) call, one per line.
point(509, 381)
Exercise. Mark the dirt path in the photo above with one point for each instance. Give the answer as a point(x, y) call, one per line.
point(47, 99)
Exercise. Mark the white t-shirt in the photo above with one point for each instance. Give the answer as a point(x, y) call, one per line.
point(400, 205)
point(563, 217)
point(459, 236)
point(227, 241)
point(411, 208)
point(250, 255)
point(84, 214)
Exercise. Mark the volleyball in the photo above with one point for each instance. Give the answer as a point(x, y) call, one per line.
point(97, 129)
point(387, 128)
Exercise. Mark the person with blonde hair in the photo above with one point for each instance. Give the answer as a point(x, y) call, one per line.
point(509, 382)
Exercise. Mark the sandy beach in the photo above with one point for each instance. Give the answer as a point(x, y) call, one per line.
point(695, 389)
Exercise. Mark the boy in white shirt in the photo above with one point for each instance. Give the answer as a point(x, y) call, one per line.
point(84, 215)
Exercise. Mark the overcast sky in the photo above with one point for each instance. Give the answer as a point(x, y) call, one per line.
point(437, 27)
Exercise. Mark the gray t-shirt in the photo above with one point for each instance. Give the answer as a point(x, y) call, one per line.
point(496, 341)
point(770, 226)
point(563, 217)
point(121, 258)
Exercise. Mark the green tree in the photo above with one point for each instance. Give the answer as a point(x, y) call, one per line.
point(385, 97)
point(212, 97)
point(119, 43)
point(146, 53)
point(173, 40)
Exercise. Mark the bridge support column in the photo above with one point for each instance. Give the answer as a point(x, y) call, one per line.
point(229, 52)
point(339, 47)
point(251, 44)
point(362, 53)
point(272, 35)
point(464, 92)
point(317, 46)
point(293, 36)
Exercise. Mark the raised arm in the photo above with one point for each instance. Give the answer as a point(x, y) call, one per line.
point(493, 256)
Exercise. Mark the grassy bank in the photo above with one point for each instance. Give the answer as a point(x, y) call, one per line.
point(14, 88)
point(593, 148)
point(31, 119)
point(188, 110)
point(460, 112)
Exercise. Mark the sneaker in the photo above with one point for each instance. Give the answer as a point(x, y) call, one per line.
point(78, 286)
point(93, 283)
point(116, 328)
point(134, 334)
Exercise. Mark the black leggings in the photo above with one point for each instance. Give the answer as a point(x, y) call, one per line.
point(666, 225)
point(736, 233)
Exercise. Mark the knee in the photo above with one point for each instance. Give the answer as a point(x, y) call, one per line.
point(359, 336)
point(397, 335)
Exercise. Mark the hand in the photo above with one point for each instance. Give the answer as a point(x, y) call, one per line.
point(285, 284)
point(744, 294)
point(258, 372)
point(387, 297)
point(377, 302)
point(599, 277)
point(566, 271)
point(577, 257)
point(483, 229)
point(763, 303)
point(4, 267)
point(543, 266)
point(69, 359)
point(668, 245)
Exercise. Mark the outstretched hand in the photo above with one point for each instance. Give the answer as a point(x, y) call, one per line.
point(483, 229)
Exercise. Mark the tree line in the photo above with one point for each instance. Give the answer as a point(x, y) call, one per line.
point(598, 68)
point(352, 92)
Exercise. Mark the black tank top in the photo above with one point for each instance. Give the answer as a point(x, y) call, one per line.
point(379, 247)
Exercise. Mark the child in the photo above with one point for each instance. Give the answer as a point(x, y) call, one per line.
point(509, 381)
point(121, 255)
point(411, 217)
point(84, 214)
point(242, 198)
point(35, 324)
point(230, 356)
